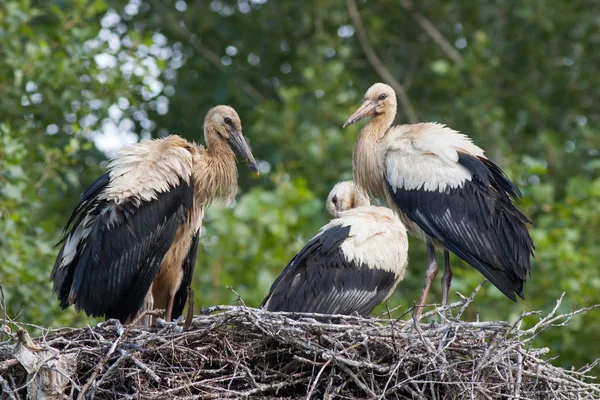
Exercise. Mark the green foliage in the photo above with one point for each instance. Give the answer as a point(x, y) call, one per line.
point(526, 91)
point(242, 246)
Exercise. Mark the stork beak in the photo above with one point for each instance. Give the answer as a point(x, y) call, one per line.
point(237, 141)
point(365, 110)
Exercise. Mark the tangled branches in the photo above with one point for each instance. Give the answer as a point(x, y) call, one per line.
point(240, 352)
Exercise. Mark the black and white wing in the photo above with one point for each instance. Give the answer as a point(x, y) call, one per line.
point(337, 274)
point(464, 201)
point(122, 228)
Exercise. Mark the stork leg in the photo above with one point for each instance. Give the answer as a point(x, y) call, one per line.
point(148, 305)
point(169, 310)
point(446, 278)
point(430, 274)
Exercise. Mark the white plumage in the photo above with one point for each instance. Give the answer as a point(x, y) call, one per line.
point(372, 229)
point(425, 156)
point(143, 170)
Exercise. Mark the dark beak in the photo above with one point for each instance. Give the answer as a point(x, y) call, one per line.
point(237, 141)
point(365, 110)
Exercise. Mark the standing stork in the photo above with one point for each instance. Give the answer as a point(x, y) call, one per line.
point(352, 265)
point(133, 237)
point(445, 191)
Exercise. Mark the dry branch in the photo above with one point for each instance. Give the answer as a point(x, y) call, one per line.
point(240, 352)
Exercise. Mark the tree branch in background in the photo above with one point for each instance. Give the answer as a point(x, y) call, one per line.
point(376, 63)
point(433, 32)
point(206, 51)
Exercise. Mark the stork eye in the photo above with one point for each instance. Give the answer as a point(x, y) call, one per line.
point(228, 121)
point(382, 96)
point(334, 199)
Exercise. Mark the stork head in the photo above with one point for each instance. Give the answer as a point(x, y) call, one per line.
point(379, 99)
point(345, 196)
point(225, 122)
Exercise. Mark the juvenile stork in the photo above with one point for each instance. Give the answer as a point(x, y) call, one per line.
point(132, 239)
point(445, 191)
point(353, 264)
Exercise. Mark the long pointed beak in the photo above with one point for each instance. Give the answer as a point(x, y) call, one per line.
point(237, 141)
point(365, 110)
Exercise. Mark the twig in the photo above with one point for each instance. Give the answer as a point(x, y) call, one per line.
point(100, 365)
point(387, 307)
point(376, 63)
point(358, 382)
point(387, 383)
point(469, 300)
point(145, 368)
point(316, 380)
point(238, 297)
point(7, 389)
point(519, 375)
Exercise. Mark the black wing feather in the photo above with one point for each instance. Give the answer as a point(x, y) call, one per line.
point(117, 261)
point(188, 271)
point(63, 277)
point(87, 201)
point(319, 279)
point(478, 222)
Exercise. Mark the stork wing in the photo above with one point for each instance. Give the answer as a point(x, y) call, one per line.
point(122, 228)
point(471, 213)
point(436, 138)
point(321, 279)
point(188, 271)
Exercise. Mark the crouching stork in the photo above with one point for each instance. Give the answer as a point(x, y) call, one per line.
point(132, 240)
point(445, 191)
point(353, 264)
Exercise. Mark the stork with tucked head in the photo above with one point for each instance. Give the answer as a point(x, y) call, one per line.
point(353, 264)
point(132, 240)
point(345, 196)
point(445, 191)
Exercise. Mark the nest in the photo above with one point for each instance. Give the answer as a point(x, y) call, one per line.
point(241, 352)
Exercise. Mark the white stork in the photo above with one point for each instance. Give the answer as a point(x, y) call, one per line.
point(353, 264)
point(133, 238)
point(445, 191)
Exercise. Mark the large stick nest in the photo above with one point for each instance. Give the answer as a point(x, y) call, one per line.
point(240, 352)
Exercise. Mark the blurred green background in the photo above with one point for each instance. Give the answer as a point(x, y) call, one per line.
point(79, 79)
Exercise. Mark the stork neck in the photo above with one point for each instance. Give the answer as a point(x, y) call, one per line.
point(221, 158)
point(378, 125)
point(216, 145)
point(216, 173)
point(220, 150)
point(365, 168)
